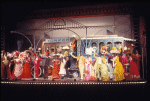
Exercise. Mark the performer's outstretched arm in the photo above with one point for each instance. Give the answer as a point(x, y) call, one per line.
point(74, 56)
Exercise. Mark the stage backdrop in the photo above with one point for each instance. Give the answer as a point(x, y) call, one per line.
point(104, 25)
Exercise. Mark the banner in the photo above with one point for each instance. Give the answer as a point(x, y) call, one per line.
point(55, 40)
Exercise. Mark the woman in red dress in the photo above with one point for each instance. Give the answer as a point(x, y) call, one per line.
point(37, 59)
point(133, 72)
point(55, 72)
point(26, 75)
point(137, 59)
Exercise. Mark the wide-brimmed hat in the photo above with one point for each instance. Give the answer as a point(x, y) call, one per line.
point(56, 54)
point(30, 48)
point(66, 47)
point(89, 51)
point(29, 52)
point(39, 49)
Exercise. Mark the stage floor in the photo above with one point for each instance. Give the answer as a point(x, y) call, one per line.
point(69, 81)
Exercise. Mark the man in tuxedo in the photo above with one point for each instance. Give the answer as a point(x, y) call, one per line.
point(67, 66)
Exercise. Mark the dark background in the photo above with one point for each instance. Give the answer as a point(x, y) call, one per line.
point(13, 12)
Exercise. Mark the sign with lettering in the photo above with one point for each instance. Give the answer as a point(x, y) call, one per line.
point(55, 40)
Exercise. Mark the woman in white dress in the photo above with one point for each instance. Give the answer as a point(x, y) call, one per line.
point(62, 71)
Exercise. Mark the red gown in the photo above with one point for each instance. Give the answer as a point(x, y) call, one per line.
point(137, 59)
point(36, 65)
point(2, 68)
point(27, 68)
point(55, 72)
point(133, 72)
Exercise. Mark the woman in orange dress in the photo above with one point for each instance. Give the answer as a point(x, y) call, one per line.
point(26, 75)
point(55, 72)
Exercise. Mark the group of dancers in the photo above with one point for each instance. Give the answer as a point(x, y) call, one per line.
point(17, 65)
point(109, 66)
point(106, 65)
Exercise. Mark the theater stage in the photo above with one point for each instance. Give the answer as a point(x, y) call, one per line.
point(70, 81)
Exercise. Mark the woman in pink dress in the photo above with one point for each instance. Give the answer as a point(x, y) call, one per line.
point(87, 72)
point(26, 75)
point(18, 68)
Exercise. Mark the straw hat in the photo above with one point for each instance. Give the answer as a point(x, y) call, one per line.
point(30, 48)
point(56, 54)
point(89, 51)
point(39, 49)
point(66, 47)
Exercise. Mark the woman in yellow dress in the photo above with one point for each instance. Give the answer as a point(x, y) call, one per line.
point(104, 70)
point(103, 66)
point(118, 71)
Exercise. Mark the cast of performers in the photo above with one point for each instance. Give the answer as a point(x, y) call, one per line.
point(26, 75)
point(55, 71)
point(80, 60)
point(37, 59)
point(110, 68)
